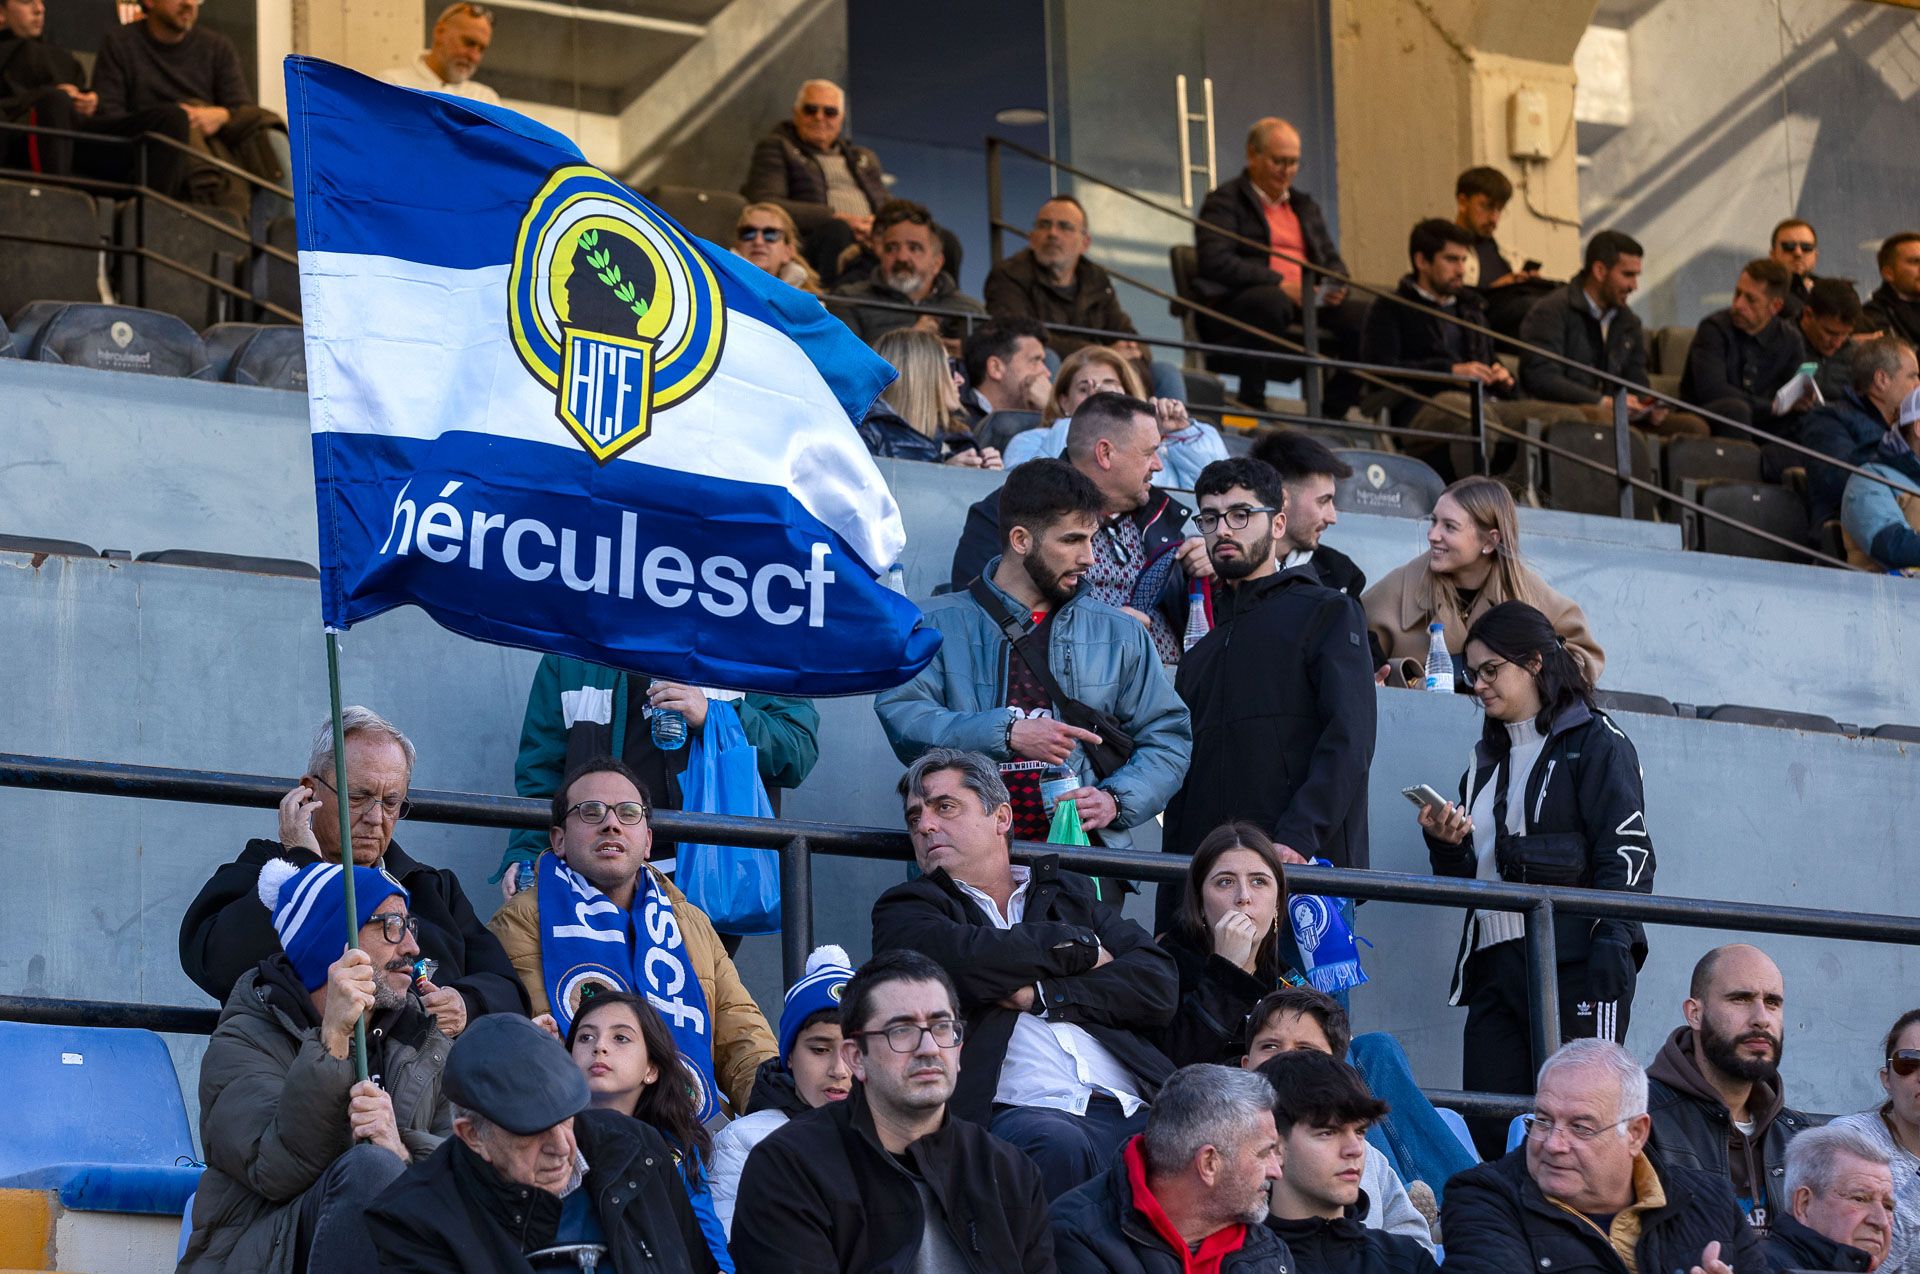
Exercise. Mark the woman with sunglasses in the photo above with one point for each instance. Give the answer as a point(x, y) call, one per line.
point(765, 235)
point(1553, 797)
point(1894, 1126)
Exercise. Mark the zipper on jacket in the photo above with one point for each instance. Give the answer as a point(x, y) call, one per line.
point(1541, 800)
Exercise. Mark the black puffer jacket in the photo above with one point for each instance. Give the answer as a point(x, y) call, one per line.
point(888, 435)
point(1347, 1246)
point(786, 171)
point(1097, 1229)
point(454, 1214)
point(1497, 1222)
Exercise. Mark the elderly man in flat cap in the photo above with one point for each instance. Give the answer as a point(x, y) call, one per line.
point(532, 1176)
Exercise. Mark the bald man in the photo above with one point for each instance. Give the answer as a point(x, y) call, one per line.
point(830, 187)
point(1265, 286)
point(1715, 1095)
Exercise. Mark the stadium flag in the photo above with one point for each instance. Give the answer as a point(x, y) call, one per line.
point(550, 417)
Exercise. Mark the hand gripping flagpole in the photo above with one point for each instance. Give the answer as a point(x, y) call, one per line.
point(346, 835)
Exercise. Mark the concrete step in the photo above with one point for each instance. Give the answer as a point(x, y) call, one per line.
point(37, 1233)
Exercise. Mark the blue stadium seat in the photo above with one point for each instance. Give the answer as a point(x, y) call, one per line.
point(1458, 1124)
point(186, 1228)
point(223, 340)
point(1516, 1133)
point(1384, 482)
point(27, 322)
point(95, 1114)
point(270, 355)
point(122, 338)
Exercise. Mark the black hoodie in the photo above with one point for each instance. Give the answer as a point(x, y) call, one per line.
point(1347, 1246)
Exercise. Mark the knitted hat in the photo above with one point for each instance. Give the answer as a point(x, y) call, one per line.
point(820, 987)
point(309, 909)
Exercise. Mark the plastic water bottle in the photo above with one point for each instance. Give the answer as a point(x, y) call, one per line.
point(1439, 662)
point(1197, 626)
point(669, 728)
point(1055, 782)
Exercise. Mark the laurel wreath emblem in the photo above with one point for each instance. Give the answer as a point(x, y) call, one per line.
point(601, 259)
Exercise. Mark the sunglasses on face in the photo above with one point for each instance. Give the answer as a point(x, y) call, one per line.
point(1791, 245)
point(1904, 1062)
point(766, 234)
point(815, 108)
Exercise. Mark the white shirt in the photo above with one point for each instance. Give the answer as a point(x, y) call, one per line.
point(417, 74)
point(1053, 1065)
point(1525, 743)
point(1605, 316)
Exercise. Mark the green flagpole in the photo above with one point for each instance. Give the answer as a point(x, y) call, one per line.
point(346, 834)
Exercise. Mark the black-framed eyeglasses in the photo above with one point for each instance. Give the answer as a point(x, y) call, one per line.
point(394, 808)
point(768, 234)
point(1540, 1128)
point(628, 812)
point(1236, 518)
point(391, 927)
point(816, 108)
point(1795, 245)
point(1904, 1062)
point(904, 1037)
point(1476, 673)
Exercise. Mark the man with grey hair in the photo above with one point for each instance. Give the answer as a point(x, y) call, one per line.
point(1586, 1191)
point(829, 186)
point(227, 930)
point(1191, 1188)
point(1839, 1207)
point(1063, 995)
point(461, 36)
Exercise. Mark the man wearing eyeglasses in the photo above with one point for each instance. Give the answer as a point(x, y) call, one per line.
point(1280, 690)
point(227, 932)
point(1796, 249)
point(888, 1179)
point(829, 186)
point(1585, 1191)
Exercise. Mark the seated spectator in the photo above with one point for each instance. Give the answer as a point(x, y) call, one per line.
point(1052, 282)
point(1006, 366)
point(226, 931)
point(1850, 428)
point(1480, 197)
point(1186, 445)
point(918, 416)
point(1309, 473)
point(167, 60)
point(1587, 1191)
point(1880, 524)
point(831, 187)
point(1717, 1100)
point(890, 1179)
point(1840, 1204)
point(1266, 287)
point(811, 1071)
point(1472, 564)
point(1894, 1129)
point(1418, 336)
point(911, 273)
point(1741, 356)
point(1113, 442)
point(1894, 307)
point(765, 235)
point(532, 1170)
point(1323, 1112)
point(626, 1052)
point(985, 693)
point(280, 1113)
point(645, 937)
point(1581, 822)
point(1826, 324)
point(577, 710)
point(1280, 691)
point(1588, 321)
point(1189, 1192)
point(1796, 249)
point(461, 35)
point(1064, 997)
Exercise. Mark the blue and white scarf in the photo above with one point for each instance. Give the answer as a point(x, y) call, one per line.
point(587, 939)
point(1327, 943)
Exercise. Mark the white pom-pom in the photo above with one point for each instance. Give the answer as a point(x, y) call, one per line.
point(826, 956)
point(273, 877)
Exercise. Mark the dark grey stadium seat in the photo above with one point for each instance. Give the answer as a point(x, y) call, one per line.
point(272, 356)
point(1629, 701)
point(231, 562)
point(35, 272)
point(1710, 459)
point(1899, 733)
point(711, 214)
point(27, 322)
point(1206, 393)
point(1758, 504)
point(122, 338)
point(1575, 488)
point(1742, 714)
point(39, 544)
point(997, 428)
point(222, 341)
point(283, 279)
point(190, 241)
point(1384, 482)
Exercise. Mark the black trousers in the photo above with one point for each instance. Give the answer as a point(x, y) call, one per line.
point(62, 156)
point(1497, 1052)
point(1270, 309)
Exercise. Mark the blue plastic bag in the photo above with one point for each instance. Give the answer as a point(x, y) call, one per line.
point(739, 889)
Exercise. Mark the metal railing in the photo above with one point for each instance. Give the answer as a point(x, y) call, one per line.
point(798, 842)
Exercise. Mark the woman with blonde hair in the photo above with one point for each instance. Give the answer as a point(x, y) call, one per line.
point(1471, 565)
point(914, 418)
point(1186, 446)
point(765, 235)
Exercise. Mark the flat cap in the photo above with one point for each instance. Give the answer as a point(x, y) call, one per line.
point(515, 1074)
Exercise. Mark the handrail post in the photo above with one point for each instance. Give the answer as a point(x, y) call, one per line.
point(995, 245)
point(1310, 339)
point(1543, 983)
point(1622, 451)
point(796, 908)
point(1477, 406)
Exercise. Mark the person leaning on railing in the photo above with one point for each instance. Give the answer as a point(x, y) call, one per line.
point(1553, 797)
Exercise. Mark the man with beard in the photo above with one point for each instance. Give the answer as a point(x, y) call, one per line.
point(461, 35)
point(888, 1179)
point(1281, 690)
point(911, 274)
point(1715, 1094)
point(1025, 650)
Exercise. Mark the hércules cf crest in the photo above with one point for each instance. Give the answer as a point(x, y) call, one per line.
point(610, 307)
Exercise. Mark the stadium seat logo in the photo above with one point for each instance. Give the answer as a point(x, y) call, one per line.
point(611, 307)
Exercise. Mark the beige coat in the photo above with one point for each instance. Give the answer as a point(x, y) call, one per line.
point(741, 1040)
point(1401, 605)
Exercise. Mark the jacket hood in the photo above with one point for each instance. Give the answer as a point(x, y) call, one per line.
point(1678, 1068)
point(774, 1089)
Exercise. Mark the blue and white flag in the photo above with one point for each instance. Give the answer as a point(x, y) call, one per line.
point(550, 417)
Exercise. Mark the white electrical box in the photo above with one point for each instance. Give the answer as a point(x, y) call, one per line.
point(1527, 124)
